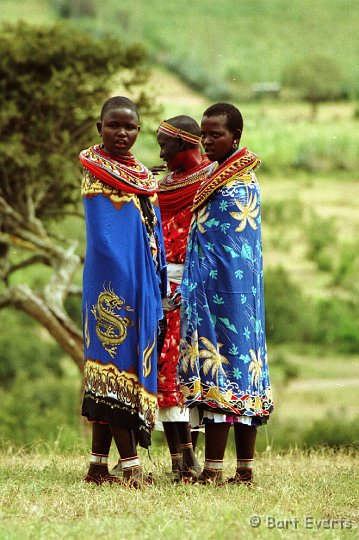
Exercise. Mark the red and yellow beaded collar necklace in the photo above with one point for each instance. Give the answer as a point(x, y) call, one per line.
point(238, 164)
point(177, 190)
point(124, 173)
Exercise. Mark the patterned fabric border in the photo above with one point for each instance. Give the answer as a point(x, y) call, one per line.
point(241, 162)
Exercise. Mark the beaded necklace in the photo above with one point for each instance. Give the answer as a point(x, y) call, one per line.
point(240, 162)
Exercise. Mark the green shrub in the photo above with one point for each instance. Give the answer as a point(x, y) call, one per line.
point(333, 431)
point(316, 78)
point(346, 270)
point(74, 8)
point(321, 235)
point(25, 348)
point(290, 316)
point(339, 324)
point(321, 151)
point(280, 213)
point(39, 410)
point(284, 370)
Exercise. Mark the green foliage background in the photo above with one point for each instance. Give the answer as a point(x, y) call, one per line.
point(52, 82)
point(220, 45)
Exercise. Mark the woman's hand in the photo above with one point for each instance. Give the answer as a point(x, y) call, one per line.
point(172, 302)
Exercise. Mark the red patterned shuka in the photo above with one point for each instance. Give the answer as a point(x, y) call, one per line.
point(176, 194)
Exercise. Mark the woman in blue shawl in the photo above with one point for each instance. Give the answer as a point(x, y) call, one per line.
point(223, 368)
point(123, 284)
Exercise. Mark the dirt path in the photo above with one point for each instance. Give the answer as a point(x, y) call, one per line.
point(312, 384)
point(175, 96)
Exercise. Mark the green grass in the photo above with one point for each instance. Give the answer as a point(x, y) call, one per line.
point(36, 12)
point(286, 243)
point(321, 364)
point(231, 43)
point(42, 497)
point(281, 132)
point(221, 45)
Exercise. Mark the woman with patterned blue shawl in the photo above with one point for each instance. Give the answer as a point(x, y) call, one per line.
point(124, 281)
point(223, 368)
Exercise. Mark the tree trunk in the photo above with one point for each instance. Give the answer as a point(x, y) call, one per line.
point(62, 329)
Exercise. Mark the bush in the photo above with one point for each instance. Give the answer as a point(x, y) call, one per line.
point(321, 237)
point(334, 432)
point(282, 212)
point(286, 370)
point(339, 324)
point(39, 410)
point(346, 270)
point(315, 78)
point(24, 348)
point(290, 316)
point(320, 152)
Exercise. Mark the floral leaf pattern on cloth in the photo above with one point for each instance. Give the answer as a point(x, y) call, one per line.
point(176, 193)
point(213, 360)
point(247, 213)
point(223, 365)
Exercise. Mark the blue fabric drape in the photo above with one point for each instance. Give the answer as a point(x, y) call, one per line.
point(123, 284)
point(223, 364)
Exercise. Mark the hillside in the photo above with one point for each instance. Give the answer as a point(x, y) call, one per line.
point(218, 45)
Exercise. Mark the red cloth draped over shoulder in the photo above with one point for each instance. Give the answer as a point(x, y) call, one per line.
point(177, 190)
point(124, 173)
point(176, 194)
point(174, 201)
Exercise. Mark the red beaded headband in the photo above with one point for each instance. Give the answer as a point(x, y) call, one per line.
point(171, 131)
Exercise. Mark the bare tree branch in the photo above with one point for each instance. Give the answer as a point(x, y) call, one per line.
point(68, 335)
point(16, 241)
point(35, 259)
point(58, 286)
point(9, 211)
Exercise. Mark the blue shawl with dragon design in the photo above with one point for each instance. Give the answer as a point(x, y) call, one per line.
point(124, 280)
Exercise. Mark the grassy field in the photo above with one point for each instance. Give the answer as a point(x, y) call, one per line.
point(309, 168)
point(324, 386)
point(39, 12)
point(224, 44)
point(218, 46)
point(42, 497)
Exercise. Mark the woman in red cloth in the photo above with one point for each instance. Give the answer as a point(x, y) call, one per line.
point(179, 139)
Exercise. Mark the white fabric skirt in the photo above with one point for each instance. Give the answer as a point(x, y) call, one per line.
point(173, 414)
